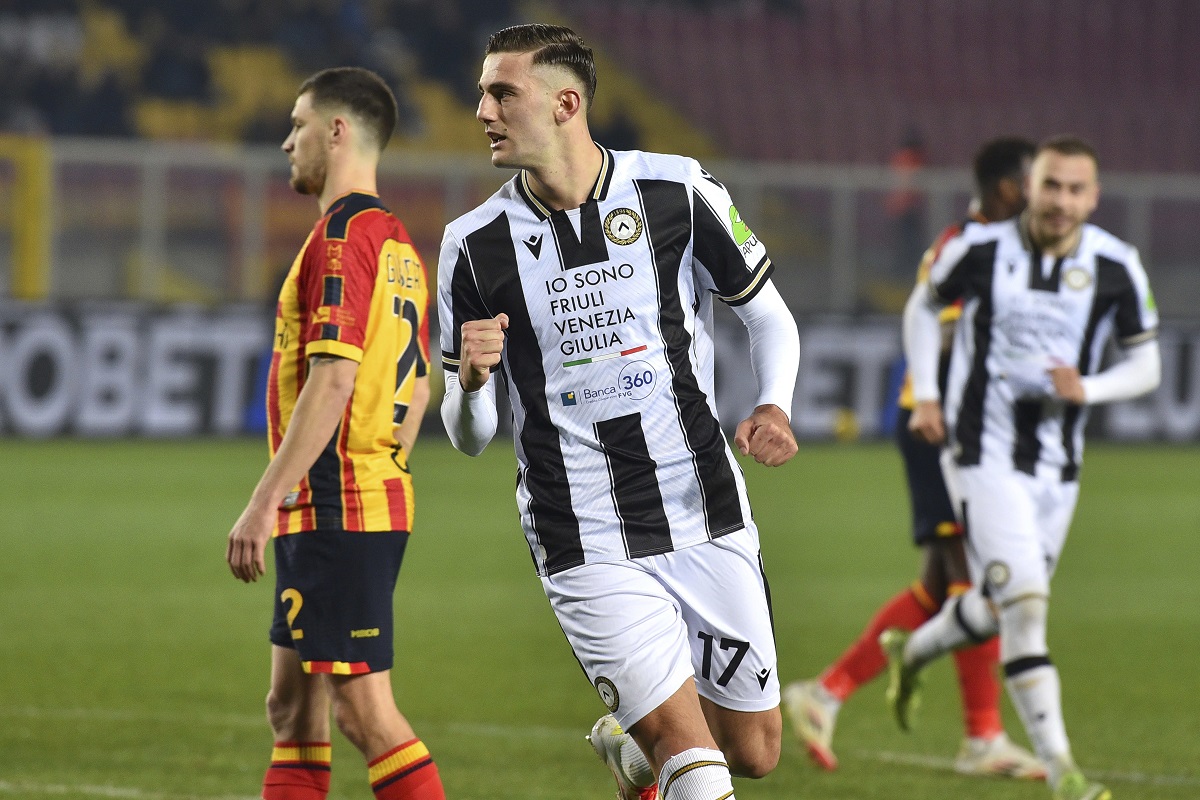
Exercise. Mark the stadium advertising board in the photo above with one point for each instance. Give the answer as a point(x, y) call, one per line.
point(117, 370)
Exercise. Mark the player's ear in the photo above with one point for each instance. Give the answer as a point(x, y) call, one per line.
point(339, 130)
point(570, 103)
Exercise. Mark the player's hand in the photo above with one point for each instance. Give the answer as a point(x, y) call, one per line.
point(246, 551)
point(482, 342)
point(926, 423)
point(1067, 384)
point(767, 435)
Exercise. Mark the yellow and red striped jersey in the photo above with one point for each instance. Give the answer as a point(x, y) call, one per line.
point(950, 313)
point(357, 290)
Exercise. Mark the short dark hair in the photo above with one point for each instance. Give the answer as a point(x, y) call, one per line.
point(1070, 145)
point(1001, 158)
point(360, 91)
point(554, 45)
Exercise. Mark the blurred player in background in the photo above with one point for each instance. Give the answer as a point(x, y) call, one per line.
point(1042, 295)
point(1001, 167)
point(348, 388)
point(587, 281)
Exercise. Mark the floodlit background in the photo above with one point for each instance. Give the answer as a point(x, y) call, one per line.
point(146, 220)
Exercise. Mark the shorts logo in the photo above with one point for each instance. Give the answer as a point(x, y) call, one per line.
point(608, 693)
point(623, 226)
point(1077, 278)
point(997, 574)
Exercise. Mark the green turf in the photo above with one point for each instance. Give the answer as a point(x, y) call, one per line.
point(135, 666)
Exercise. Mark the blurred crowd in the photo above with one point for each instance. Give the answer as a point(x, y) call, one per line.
point(55, 82)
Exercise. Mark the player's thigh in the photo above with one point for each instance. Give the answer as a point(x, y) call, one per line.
point(627, 633)
point(725, 602)
point(1003, 532)
point(1056, 508)
point(333, 598)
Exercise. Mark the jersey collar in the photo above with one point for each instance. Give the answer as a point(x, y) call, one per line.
point(599, 188)
point(1027, 238)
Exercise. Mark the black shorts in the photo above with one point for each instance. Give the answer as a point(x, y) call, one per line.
point(932, 513)
point(333, 598)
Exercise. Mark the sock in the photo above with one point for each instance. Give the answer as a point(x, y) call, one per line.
point(1033, 685)
point(634, 763)
point(980, 688)
point(864, 659)
point(962, 620)
point(298, 771)
point(696, 774)
point(406, 772)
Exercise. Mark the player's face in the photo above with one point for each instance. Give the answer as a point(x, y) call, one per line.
point(306, 147)
point(1063, 192)
point(516, 107)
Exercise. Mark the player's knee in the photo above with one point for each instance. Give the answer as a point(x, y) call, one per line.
point(1023, 627)
point(755, 755)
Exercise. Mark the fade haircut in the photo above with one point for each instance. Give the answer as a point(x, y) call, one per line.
point(999, 159)
point(361, 92)
point(1069, 145)
point(553, 45)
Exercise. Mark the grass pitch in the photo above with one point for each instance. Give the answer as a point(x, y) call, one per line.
point(135, 666)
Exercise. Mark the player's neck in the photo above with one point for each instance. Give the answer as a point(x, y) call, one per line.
point(350, 178)
point(567, 183)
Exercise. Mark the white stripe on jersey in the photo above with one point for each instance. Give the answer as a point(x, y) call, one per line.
point(1024, 312)
point(609, 353)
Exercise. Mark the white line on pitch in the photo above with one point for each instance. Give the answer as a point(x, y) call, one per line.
point(942, 763)
point(119, 792)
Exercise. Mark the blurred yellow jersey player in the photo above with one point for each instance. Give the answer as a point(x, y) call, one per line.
point(358, 291)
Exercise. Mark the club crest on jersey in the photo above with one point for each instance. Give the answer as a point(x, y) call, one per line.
point(623, 226)
point(1077, 278)
point(997, 574)
point(608, 693)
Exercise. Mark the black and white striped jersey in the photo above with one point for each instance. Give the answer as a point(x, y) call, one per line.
point(1024, 312)
point(608, 360)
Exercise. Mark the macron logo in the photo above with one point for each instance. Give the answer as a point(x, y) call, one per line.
point(534, 243)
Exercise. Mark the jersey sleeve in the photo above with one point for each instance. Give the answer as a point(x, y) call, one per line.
point(337, 280)
point(949, 273)
point(458, 299)
point(729, 254)
point(1136, 312)
point(953, 311)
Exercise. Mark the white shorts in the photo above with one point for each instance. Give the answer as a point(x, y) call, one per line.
point(1016, 525)
point(641, 628)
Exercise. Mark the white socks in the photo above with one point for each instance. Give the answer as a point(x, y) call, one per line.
point(1036, 695)
point(963, 620)
point(696, 774)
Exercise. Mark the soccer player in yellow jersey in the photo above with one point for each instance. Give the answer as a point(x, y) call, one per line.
point(348, 388)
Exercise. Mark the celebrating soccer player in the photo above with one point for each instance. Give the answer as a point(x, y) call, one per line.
point(348, 387)
point(1001, 167)
point(1042, 295)
point(586, 282)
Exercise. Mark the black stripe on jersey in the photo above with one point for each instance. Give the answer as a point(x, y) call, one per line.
point(1027, 448)
point(1114, 284)
point(590, 248)
point(668, 222)
point(330, 332)
point(331, 295)
point(1113, 287)
point(467, 306)
point(635, 491)
point(721, 255)
point(974, 272)
point(325, 481)
point(345, 210)
point(1040, 282)
point(493, 256)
